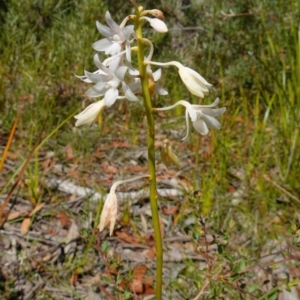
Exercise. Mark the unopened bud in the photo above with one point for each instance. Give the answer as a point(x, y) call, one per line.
point(157, 24)
point(156, 13)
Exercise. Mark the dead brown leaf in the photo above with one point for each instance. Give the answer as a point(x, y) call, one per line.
point(150, 253)
point(171, 211)
point(36, 209)
point(63, 219)
point(137, 168)
point(25, 226)
point(131, 239)
point(108, 168)
point(11, 155)
point(136, 286)
point(48, 163)
point(69, 152)
point(120, 144)
point(51, 231)
point(139, 271)
point(13, 215)
point(74, 278)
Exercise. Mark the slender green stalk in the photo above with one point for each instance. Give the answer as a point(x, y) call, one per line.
point(151, 157)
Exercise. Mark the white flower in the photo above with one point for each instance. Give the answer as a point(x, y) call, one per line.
point(154, 87)
point(109, 212)
point(195, 83)
point(203, 117)
point(110, 208)
point(107, 83)
point(157, 24)
point(115, 37)
point(90, 114)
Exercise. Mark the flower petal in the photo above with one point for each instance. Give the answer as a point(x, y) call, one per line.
point(211, 122)
point(88, 115)
point(128, 93)
point(195, 83)
point(110, 97)
point(104, 30)
point(109, 213)
point(83, 78)
point(101, 67)
point(213, 112)
point(111, 23)
point(120, 72)
point(94, 77)
point(116, 62)
point(102, 45)
point(157, 24)
point(114, 48)
point(157, 75)
point(187, 124)
point(214, 104)
point(201, 127)
point(97, 90)
point(127, 31)
point(128, 51)
point(160, 91)
point(192, 112)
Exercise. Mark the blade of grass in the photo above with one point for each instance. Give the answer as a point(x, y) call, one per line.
point(11, 135)
point(3, 220)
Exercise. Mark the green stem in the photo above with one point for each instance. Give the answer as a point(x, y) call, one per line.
point(151, 157)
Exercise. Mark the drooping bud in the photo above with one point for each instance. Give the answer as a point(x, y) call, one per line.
point(90, 114)
point(110, 208)
point(157, 24)
point(156, 13)
point(195, 83)
point(109, 213)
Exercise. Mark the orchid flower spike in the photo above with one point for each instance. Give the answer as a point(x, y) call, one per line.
point(110, 208)
point(195, 83)
point(203, 117)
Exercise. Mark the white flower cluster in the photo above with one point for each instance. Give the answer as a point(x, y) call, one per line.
point(116, 78)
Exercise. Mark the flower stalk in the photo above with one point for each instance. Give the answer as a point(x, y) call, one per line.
point(151, 155)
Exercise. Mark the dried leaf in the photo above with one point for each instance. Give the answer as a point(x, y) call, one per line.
point(11, 155)
point(25, 226)
point(136, 286)
point(69, 152)
point(111, 169)
point(120, 144)
point(131, 239)
point(171, 211)
point(36, 209)
point(64, 219)
point(74, 278)
point(139, 271)
point(13, 215)
point(137, 169)
point(150, 253)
